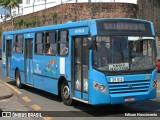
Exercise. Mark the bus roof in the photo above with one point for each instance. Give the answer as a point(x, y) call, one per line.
point(66, 25)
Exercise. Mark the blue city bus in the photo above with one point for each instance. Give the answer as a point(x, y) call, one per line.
point(96, 61)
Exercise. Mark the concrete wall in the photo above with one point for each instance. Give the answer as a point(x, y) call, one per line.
point(150, 10)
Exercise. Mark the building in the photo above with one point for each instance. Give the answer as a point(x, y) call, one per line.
point(30, 6)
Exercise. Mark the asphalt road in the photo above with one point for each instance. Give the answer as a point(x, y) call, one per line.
point(38, 100)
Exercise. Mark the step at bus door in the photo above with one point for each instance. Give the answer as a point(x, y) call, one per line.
point(9, 58)
point(80, 68)
point(28, 60)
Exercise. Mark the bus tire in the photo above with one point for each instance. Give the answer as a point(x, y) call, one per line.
point(18, 79)
point(65, 94)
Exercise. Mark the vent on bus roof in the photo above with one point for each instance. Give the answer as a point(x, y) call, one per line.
point(69, 22)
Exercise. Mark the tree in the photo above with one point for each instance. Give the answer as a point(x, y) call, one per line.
point(10, 4)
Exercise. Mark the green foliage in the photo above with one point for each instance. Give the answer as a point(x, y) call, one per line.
point(9, 4)
point(44, 17)
point(27, 22)
point(33, 22)
point(20, 22)
point(55, 17)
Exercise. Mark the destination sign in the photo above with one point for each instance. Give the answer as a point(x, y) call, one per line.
point(123, 26)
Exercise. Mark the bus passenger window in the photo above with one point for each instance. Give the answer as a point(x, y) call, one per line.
point(39, 43)
point(48, 50)
point(18, 45)
point(50, 45)
point(63, 43)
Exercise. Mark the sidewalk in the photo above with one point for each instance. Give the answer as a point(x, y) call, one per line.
point(5, 92)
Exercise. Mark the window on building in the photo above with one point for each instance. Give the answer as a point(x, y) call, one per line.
point(50, 44)
point(39, 43)
point(18, 46)
point(63, 43)
point(27, 1)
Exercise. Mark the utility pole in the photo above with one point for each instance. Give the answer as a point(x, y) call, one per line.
point(45, 3)
point(33, 7)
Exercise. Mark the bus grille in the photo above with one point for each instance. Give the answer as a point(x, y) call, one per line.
point(129, 86)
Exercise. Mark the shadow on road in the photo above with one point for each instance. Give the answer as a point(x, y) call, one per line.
point(39, 92)
point(99, 110)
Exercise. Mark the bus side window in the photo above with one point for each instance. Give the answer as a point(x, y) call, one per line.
point(39, 43)
point(50, 43)
point(18, 45)
point(4, 42)
point(63, 43)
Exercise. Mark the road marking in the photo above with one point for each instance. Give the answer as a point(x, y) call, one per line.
point(48, 118)
point(36, 107)
point(26, 99)
point(12, 87)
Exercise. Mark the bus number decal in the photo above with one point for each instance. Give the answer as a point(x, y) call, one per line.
point(117, 79)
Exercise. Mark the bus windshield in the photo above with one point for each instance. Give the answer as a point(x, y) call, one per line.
point(123, 53)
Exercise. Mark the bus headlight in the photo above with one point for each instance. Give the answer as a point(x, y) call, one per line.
point(99, 87)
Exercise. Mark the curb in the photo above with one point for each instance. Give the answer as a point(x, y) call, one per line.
point(4, 87)
point(6, 97)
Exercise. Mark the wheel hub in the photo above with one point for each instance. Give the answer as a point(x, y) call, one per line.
point(66, 92)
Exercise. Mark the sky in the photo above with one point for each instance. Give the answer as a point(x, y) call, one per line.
point(126, 1)
point(3, 10)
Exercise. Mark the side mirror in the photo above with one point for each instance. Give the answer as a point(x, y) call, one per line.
point(157, 44)
point(91, 43)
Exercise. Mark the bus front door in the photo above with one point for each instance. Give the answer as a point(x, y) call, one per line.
point(9, 58)
point(80, 68)
point(28, 60)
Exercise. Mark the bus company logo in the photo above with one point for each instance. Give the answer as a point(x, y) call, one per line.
point(28, 35)
point(130, 86)
point(147, 77)
point(79, 31)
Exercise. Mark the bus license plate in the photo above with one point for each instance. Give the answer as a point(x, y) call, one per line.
point(129, 99)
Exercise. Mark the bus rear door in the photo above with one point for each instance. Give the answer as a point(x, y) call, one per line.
point(28, 57)
point(9, 39)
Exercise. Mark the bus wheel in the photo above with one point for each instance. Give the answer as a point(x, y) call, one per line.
point(65, 94)
point(18, 80)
